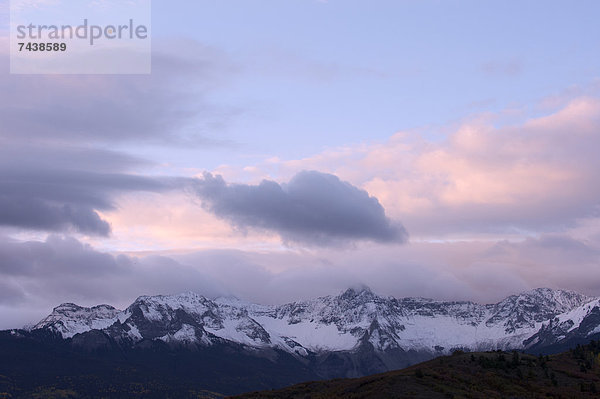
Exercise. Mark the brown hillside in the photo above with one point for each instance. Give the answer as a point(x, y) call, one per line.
point(573, 374)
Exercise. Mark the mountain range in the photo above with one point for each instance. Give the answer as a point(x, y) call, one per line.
point(352, 334)
point(344, 323)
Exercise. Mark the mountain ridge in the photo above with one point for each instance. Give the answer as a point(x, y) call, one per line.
point(187, 342)
point(340, 322)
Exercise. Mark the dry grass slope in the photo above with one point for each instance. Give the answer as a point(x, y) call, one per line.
point(489, 375)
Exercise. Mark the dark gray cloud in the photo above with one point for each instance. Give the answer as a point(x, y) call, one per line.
point(42, 156)
point(62, 189)
point(170, 105)
point(56, 172)
point(314, 207)
point(36, 214)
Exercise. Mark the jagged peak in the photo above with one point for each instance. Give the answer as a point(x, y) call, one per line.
point(334, 322)
point(359, 290)
point(67, 306)
point(160, 303)
point(552, 294)
point(103, 307)
point(547, 290)
point(72, 307)
point(187, 295)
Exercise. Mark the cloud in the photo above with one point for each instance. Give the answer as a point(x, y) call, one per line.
point(168, 106)
point(61, 189)
point(35, 276)
point(482, 176)
point(314, 208)
point(553, 260)
point(37, 214)
point(56, 173)
point(38, 275)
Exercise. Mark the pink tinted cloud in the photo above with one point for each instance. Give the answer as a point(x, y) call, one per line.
point(538, 175)
point(484, 179)
point(174, 221)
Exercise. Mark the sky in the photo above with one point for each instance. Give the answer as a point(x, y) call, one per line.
point(282, 150)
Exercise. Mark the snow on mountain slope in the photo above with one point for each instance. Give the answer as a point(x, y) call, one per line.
point(69, 319)
point(580, 322)
point(535, 306)
point(332, 323)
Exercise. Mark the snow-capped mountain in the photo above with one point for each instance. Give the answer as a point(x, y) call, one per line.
point(69, 319)
point(355, 319)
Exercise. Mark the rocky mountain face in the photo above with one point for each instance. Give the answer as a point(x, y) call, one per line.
point(351, 334)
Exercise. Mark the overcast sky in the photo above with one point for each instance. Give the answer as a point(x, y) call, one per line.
point(282, 150)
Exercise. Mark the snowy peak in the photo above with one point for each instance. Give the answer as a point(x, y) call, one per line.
point(545, 301)
point(189, 318)
point(359, 293)
point(575, 326)
point(529, 308)
point(161, 307)
point(344, 322)
point(69, 319)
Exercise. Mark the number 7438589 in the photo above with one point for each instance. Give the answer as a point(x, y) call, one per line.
point(42, 46)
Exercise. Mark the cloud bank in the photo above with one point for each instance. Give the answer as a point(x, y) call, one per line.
point(56, 171)
point(313, 207)
point(168, 106)
point(491, 174)
point(35, 276)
